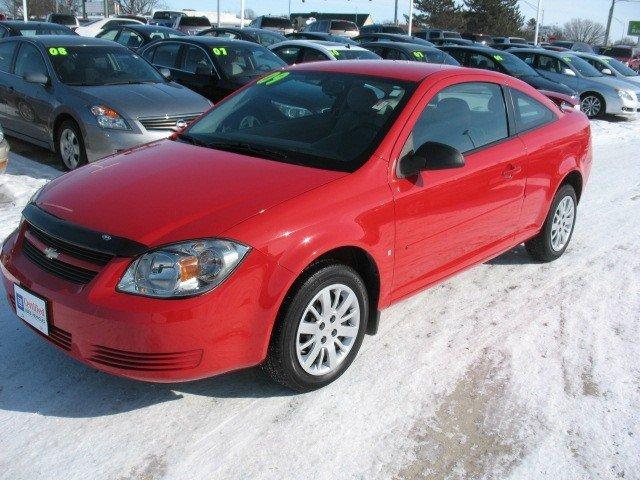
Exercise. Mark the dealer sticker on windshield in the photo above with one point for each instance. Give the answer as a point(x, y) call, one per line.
point(31, 309)
point(499, 58)
point(58, 51)
point(219, 51)
point(419, 55)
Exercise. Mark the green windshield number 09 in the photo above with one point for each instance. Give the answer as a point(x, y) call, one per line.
point(57, 51)
point(418, 55)
point(218, 51)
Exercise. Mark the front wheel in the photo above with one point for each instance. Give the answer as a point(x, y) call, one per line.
point(592, 105)
point(70, 145)
point(556, 232)
point(320, 330)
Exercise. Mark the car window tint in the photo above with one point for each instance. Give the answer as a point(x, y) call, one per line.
point(266, 38)
point(288, 54)
point(166, 55)
point(393, 54)
point(481, 61)
point(227, 34)
point(195, 57)
point(311, 55)
point(130, 39)
point(109, 34)
point(6, 55)
point(465, 116)
point(529, 113)
point(29, 60)
point(549, 64)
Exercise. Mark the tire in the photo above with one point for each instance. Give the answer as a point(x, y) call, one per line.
point(546, 247)
point(285, 361)
point(70, 145)
point(592, 105)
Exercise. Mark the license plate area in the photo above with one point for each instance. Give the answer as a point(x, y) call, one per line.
point(32, 309)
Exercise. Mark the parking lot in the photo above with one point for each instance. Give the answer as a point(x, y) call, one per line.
point(510, 370)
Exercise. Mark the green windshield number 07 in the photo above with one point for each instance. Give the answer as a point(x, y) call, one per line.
point(218, 51)
point(57, 51)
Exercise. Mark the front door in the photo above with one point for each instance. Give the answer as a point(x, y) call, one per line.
point(445, 218)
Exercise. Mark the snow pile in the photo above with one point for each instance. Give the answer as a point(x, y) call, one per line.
point(511, 370)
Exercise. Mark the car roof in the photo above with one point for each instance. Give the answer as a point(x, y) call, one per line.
point(207, 41)
point(146, 28)
point(407, 71)
point(322, 44)
point(20, 24)
point(550, 53)
point(67, 41)
point(473, 48)
point(404, 46)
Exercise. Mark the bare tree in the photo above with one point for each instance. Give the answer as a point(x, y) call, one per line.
point(583, 30)
point(626, 41)
point(138, 7)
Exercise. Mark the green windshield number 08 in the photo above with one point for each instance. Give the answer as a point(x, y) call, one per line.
point(218, 51)
point(57, 51)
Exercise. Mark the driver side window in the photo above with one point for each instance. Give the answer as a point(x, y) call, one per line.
point(465, 116)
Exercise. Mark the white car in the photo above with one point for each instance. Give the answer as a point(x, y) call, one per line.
point(302, 51)
point(93, 28)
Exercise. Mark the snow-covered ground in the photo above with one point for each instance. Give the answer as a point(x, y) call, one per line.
point(511, 370)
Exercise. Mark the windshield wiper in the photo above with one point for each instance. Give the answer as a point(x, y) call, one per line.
point(243, 147)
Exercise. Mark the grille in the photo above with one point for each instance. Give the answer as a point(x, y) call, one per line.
point(166, 122)
point(82, 253)
point(69, 272)
point(145, 361)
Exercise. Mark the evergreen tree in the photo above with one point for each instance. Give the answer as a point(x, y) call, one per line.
point(495, 17)
point(443, 14)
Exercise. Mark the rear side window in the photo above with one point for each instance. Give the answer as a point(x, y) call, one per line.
point(288, 54)
point(196, 57)
point(29, 60)
point(109, 34)
point(529, 113)
point(166, 55)
point(6, 55)
point(465, 116)
point(130, 39)
point(311, 55)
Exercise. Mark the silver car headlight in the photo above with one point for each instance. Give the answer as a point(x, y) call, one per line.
point(182, 269)
point(626, 95)
point(109, 118)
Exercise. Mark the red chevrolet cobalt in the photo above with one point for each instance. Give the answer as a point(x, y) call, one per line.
point(275, 228)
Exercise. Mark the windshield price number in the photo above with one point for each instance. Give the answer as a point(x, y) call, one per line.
point(418, 55)
point(272, 78)
point(220, 51)
point(57, 51)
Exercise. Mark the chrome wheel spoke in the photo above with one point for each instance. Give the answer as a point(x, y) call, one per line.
point(562, 223)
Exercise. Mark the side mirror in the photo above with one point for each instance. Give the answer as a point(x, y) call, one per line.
point(165, 72)
point(568, 71)
point(204, 70)
point(39, 78)
point(430, 156)
point(606, 71)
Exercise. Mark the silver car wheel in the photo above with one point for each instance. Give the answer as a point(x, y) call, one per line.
point(562, 225)
point(328, 329)
point(591, 106)
point(69, 148)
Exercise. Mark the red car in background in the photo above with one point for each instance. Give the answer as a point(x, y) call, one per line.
point(275, 228)
point(625, 53)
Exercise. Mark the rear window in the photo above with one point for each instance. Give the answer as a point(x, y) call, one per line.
point(63, 19)
point(166, 15)
point(451, 35)
point(48, 30)
point(343, 25)
point(195, 22)
point(274, 22)
point(617, 51)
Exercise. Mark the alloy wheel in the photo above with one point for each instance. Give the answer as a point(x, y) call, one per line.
point(562, 224)
point(328, 329)
point(591, 106)
point(69, 148)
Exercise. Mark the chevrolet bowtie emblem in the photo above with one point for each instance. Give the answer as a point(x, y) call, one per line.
point(51, 253)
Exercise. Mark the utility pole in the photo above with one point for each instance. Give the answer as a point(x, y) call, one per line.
point(106, 8)
point(84, 9)
point(241, 13)
point(24, 11)
point(395, 14)
point(410, 26)
point(535, 35)
point(606, 33)
point(218, 23)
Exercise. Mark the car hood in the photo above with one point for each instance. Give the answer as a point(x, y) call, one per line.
point(145, 99)
point(170, 191)
point(610, 82)
point(541, 83)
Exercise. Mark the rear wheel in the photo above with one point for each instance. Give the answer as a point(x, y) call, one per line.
point(592, 105)
point(556, 232)
point(320, 330)
point(70, 145)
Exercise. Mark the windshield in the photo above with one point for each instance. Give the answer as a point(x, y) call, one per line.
point(63, 19)
point(101, 66)
point(274, 22)
point(514, 65)
point(29, 31)
point(246, 60)
point(353, 54)
point(319, 119)
point(433, 56)
point(582, 66)
point(166, 15)
point(621, 67)
point(617, 52)
point(343, 25)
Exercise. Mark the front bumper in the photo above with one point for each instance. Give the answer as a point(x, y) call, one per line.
point(102, 142)
point(618, 106)
point(154, 339)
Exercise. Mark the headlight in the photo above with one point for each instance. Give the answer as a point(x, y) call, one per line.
point(182, 269)
point(109, 118)
point(626, 95)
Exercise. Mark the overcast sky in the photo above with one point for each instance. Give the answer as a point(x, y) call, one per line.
point(555, 11)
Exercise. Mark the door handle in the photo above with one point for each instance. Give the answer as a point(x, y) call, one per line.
point(510, 171)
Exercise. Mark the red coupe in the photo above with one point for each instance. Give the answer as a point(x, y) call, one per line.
point(275, 228)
